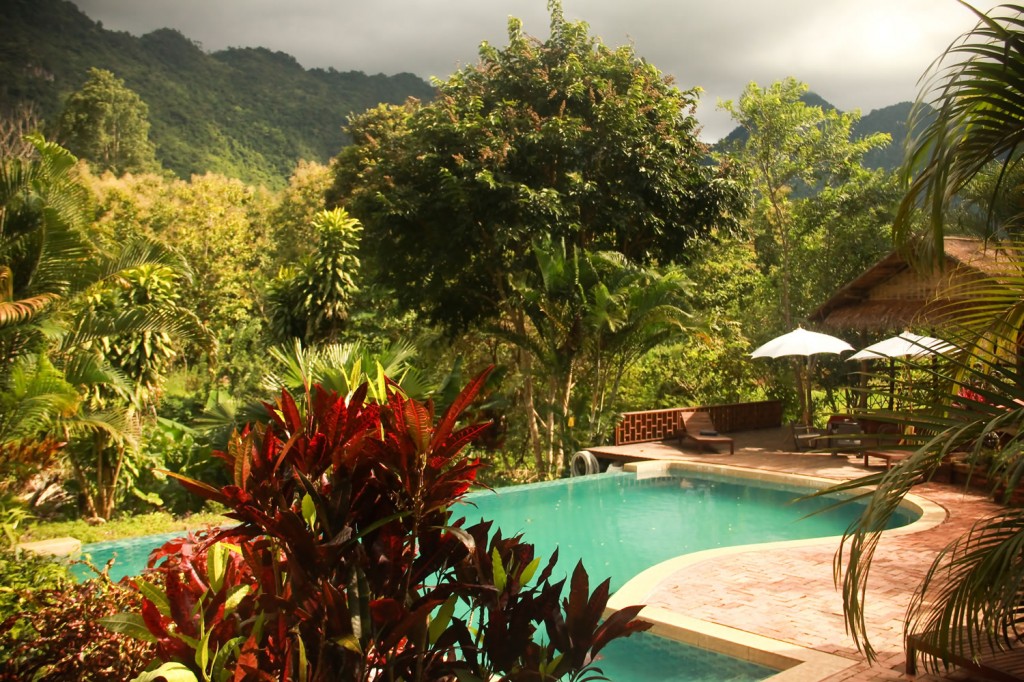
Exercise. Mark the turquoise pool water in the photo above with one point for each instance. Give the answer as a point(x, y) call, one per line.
point(619, 526)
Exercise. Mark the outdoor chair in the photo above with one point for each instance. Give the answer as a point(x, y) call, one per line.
point(805, 436)
point(844, 434)
point(699, 428)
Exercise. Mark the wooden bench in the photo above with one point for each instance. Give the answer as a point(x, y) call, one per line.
point(889, 456)
point(1005, 665)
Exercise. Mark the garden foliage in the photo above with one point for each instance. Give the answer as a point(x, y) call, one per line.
point(51, 629)
point(348, 562)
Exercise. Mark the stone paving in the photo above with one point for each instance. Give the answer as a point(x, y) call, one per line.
point(789, 594)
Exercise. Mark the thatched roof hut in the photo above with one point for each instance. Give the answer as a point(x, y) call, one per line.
point(896, 294)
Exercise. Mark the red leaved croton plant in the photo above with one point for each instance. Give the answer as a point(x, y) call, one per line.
point(348, 565)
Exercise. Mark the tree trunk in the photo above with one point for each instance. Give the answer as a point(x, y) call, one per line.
point(525, 361)
point(564, 438)
point(553, 464)
point(87, 496)
point(110, 502)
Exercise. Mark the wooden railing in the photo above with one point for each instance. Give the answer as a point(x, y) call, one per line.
point(640, 427)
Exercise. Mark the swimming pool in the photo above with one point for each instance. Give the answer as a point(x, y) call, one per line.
point(619, 525)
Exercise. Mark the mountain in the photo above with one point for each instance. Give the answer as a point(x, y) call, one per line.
point(891, 119)
point(245, 112)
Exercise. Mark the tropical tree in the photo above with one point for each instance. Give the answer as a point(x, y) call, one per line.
point(564, 138)
point(971, 598)
point(54, 376)
point(588, 317)
point(118, 367)
point(312, 301)
point(108, 124)
point(791, 151)
point(802, 164)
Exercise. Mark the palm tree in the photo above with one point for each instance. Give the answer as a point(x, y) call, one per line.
point(589, 316)
point(973, 595)
point(631, 311)
point(56, 380)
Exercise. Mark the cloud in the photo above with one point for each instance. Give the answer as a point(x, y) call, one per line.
point(855, 53)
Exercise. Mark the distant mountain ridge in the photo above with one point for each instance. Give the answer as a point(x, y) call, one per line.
point(246, 112)
point(249, 113)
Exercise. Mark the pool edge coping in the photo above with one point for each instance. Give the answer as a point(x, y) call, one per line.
point(796, 663)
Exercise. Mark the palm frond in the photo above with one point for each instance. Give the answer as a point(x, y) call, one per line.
point(972, 94)
point(971, 598)
point(34, 396)
point(173, 320)
point(20, 312)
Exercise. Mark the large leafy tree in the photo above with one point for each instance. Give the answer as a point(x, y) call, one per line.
point(588, 145)
point(971, 599)
point(791, 152)
point(107, 123)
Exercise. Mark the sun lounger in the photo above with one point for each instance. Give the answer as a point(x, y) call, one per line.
point(995, 664)
point(701, 430)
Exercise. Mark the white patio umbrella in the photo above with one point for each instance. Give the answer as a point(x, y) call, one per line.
point(906, 345)
point(800, 341)
point(803, 342)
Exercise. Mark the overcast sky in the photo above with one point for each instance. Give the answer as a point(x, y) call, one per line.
point(857, 54)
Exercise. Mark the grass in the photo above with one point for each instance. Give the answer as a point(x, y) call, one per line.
point(131, 526)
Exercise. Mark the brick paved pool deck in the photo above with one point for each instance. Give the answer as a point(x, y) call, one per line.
point(787, 594)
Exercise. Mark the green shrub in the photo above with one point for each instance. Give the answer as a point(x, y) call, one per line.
point(22, 573)
point(57, 636)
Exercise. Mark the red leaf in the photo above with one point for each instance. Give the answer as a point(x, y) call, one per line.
point(206, 491)
point(417, 423)
point(451, 415)
point(290, 412)
point(385, 611)
point(152, 618)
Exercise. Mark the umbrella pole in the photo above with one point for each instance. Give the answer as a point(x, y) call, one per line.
point(892, 383)
point(808, 412)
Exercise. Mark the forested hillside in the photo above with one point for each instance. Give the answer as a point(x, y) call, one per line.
point(893, 120)
point(247, 113)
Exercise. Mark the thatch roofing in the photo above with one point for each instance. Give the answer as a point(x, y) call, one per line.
point(895, 293)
